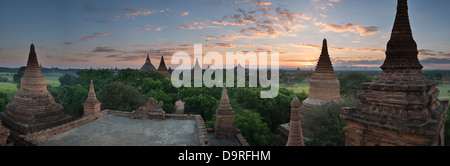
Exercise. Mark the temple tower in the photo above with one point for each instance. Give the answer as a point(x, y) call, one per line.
point(33, 108)
point(163, 68)
point(148, 67)
point(324, 87)
point(224, 127)
point(401, 106)
point(295, 127)
point(91, 105)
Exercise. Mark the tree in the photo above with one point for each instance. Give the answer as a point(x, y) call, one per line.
point(169, 102)
point(447, 129)
point(202, 104)
point(351, 83)
point(3, 101)
point(323, 127)
point(3, 79)
point(71, 97)
point(68, 79)
point(18, 76)
point(118, 96)
point(254, 130)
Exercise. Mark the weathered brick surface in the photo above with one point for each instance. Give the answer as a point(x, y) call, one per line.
point(91, 105)
point(295, 126)
point(401, 106)
point(224, 127)
point(33, 108)
point(324, 87)
point(4, 134)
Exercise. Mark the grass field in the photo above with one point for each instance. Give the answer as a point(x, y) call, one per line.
point(298, 87)
point(444, 91)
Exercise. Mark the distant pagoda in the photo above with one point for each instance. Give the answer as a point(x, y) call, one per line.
point(401, 106)
point(148, 67)
point(324, 87)
point(163, 68)
point(33, 108)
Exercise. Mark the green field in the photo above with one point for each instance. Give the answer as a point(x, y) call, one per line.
point(298, 87)
point(444, 90)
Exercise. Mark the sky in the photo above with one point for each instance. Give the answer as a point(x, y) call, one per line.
point(120, 33)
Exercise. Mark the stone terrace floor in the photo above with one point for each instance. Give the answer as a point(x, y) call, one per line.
point(113, 130)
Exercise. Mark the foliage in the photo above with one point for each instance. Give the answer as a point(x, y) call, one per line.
point(351, 83)
point(447, 129)
point(3, 101)
point(274, 111)
point(18, 76)
point(3, 79)
point(68, 79)
point(100, 77)
point(71, 97)
point(118, 96)
point(202, 104)
point(169, 102)
point(323, 127)
point(255, 131)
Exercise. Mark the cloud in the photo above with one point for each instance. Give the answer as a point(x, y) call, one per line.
point(93, 10)
point(105, 49)
point(197, 25)
point(185, 13)
point(349, 27)
point(318, 47)
point(261, 22)
point(262, 4)
point(95, 35)
point(66, 59)
point(87, 38)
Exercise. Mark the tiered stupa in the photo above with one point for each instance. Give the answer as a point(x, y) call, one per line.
point(91, 105)
point(401, 106)
point(33, 108)
point(324, 87)
point(295, 133)
point(163, 68)
point(148, 67)
point(224, 127)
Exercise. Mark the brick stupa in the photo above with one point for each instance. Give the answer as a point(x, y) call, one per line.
point(163, 68)
point(324, 87)
point(91, 105)
point(148, 67)
point(224, 127)
point(295, 127)
point(33, 108)
point(400, 107)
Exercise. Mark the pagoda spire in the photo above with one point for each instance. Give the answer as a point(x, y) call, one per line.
point(401, 52)
point(162, 65)
point(32, 58)
point(324, 63)
point(91, 94)
point(295, 127)
point(224, 127)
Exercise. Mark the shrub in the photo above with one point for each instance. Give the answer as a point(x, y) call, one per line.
point(323, 127)
point(118, 96)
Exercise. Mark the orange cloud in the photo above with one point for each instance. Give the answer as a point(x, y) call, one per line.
point(349, 27)
point(318, 47)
